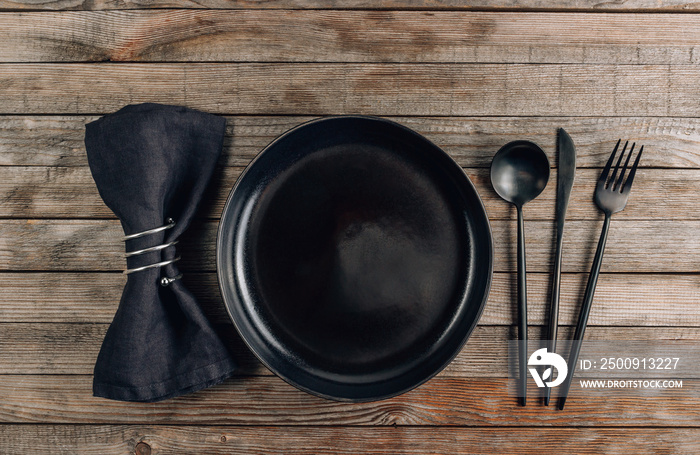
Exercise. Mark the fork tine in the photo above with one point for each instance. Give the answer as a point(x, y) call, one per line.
point(604, 175)
point(618, 183)
point(611, 182)
point(633, 171)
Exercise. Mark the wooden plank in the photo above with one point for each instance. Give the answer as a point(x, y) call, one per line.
point(72, 348)
point(70, 192)
point(349, 36)
point(262, 400)
point(337, 88)
point(621, 299)
point(46, 348)
point(576, 5)
point(471, 141)
point(79, 297)
point(657, 194)
point(186, 440)
point(659, 246)
point(51, 348)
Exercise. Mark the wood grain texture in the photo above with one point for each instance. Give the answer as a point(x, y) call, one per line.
point(374, 89)
point(70, 192)
point(349, 36)
point(576, 5)
point(72, 348)
point(621, 299)
point(77, 297)
point(17, 439)
point(262, 400)
point(468, 80)
point(472, 141)
point(659, 246)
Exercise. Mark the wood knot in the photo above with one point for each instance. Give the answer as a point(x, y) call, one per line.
point(143, 449)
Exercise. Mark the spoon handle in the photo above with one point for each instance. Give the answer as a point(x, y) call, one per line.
point(522, 310)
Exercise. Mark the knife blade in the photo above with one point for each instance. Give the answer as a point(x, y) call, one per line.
point(565, 181)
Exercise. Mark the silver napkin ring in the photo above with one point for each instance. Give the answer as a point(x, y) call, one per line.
point(150, 249)
point(165, 281)
point(151, 266)
point(169, 224)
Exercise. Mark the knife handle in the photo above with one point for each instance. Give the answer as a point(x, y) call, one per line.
point(554, 306)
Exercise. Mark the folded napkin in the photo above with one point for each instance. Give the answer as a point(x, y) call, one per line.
point(151, 164)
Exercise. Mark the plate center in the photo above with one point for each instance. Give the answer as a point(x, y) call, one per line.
point(358, 254)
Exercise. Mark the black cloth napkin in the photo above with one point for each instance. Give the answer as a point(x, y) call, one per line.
point(151, 163)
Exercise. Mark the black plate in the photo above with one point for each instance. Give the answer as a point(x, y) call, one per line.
point(354, 257)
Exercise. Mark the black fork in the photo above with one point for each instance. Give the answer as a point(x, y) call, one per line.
point(611, 196)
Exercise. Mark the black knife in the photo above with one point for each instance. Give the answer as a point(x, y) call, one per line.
point(565, 181)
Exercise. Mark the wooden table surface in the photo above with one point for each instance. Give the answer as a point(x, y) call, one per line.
point(470, 79)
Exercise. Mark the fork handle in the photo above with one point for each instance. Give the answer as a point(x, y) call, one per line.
point(522, 310)
point(585, 310)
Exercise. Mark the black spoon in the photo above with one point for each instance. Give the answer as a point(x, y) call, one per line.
point(519, 173)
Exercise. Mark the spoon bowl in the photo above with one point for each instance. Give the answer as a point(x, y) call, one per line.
point(519, 172)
